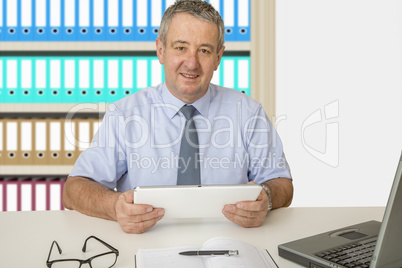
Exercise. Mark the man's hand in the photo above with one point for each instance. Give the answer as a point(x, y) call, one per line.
point(136, 218)
point(248, 213)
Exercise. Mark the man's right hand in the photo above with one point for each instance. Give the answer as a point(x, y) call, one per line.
point(136, 218)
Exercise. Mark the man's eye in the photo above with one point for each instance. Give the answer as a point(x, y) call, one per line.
point(204, 51)
point(180, 48)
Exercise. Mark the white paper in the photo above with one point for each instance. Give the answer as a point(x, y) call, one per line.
point(156, 11)
point(26, 13)
point(26, 197)
point(84, 73)
point(128, 13)
point(11, 74)
point(1, 25)
point(113, 13)
point(1, 192)
point(69, 74)
point(142, 74)
point(228, 15)
point(55, 196)
point(55, 74)
point(243, 10)
point(228, 67)
point(26, 74)
point(1, 139)
point(69, 136)
point(96, 126)
point(171, 2)
point(40, 196)
point(1, 72)
point(113, 74)
point(99, 70)
point(40, 13)
point(98, 13)
point(215, 4)
point(84, 139)
point(243, 73)
point(156, 73)
point(55, 136)
point(40, 74)
point(12, 197)
point(40, 136)
point(249, 256)
point(216, 77)
point(69, 13)
point(127, 74)
point(55, 13)
point(11, 138)
point(84, 13)
point(12, 13)
point(26, 136)
point(142, 14)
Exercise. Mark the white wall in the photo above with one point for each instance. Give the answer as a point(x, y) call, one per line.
point(344, 56)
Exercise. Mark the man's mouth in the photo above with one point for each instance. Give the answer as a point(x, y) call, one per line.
point(189, 75)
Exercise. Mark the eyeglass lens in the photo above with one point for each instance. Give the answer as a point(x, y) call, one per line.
point(103, 261)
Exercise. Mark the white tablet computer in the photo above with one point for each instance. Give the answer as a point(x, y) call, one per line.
point(195, 201)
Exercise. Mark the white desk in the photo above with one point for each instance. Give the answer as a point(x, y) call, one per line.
point(25, 237)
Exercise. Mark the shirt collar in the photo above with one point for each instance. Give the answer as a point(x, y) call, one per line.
point(174, 104)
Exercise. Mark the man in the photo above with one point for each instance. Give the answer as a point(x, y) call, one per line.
point(138, 143)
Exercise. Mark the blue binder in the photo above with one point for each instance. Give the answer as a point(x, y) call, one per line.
point(9, 94)
point(27, 31)
point(135, 20)
point(243, 20)
point(68, 92)
point(10, 17)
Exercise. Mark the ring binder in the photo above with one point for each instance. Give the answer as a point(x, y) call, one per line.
point(97, 79)
point(11, 145)
point(25, 139)
point(25, 193)
point(104, 20)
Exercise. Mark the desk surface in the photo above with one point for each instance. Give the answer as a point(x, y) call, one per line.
point(25, 237)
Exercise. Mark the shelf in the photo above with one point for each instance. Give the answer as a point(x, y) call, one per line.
point(35, 170)
point(100, 46)
point(53, 107)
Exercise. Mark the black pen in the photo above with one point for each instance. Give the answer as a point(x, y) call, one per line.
point(210, 253)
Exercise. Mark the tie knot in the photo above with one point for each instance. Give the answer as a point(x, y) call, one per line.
point(188, 111)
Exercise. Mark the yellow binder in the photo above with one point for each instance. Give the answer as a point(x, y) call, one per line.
point(11, 135)
point(40, 138)
point(25, 138)
point(55, 141)
point(69, 141)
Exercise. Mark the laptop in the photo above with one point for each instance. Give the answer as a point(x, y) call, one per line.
point(369, 244)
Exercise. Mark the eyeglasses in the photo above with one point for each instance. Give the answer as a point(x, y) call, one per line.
point(104, 260)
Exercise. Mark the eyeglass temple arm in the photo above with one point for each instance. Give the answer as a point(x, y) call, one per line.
point(84, 248)
point(51, 248)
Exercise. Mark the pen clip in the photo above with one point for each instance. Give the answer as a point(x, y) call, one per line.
point(233, 253)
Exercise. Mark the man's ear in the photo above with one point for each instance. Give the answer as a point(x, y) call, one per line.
point(220, 54)
point(159, 50)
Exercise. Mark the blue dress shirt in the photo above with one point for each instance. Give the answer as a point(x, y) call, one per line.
point(138, 142)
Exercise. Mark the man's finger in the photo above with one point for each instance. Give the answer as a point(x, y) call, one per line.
point(252, 220)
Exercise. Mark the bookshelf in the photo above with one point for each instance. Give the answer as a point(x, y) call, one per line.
point(260, 50)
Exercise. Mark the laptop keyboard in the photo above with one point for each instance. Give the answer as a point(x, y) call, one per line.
point(353, 255)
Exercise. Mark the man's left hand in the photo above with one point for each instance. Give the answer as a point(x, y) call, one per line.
point(248, 213)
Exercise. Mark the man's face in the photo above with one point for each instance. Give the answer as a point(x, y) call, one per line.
point(190, 56)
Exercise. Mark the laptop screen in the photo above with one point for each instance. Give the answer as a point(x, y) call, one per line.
point(388, 250)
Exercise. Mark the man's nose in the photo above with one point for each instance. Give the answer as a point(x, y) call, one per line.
point(192, 61)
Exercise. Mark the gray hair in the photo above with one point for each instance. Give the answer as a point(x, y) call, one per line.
point(197, 8)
